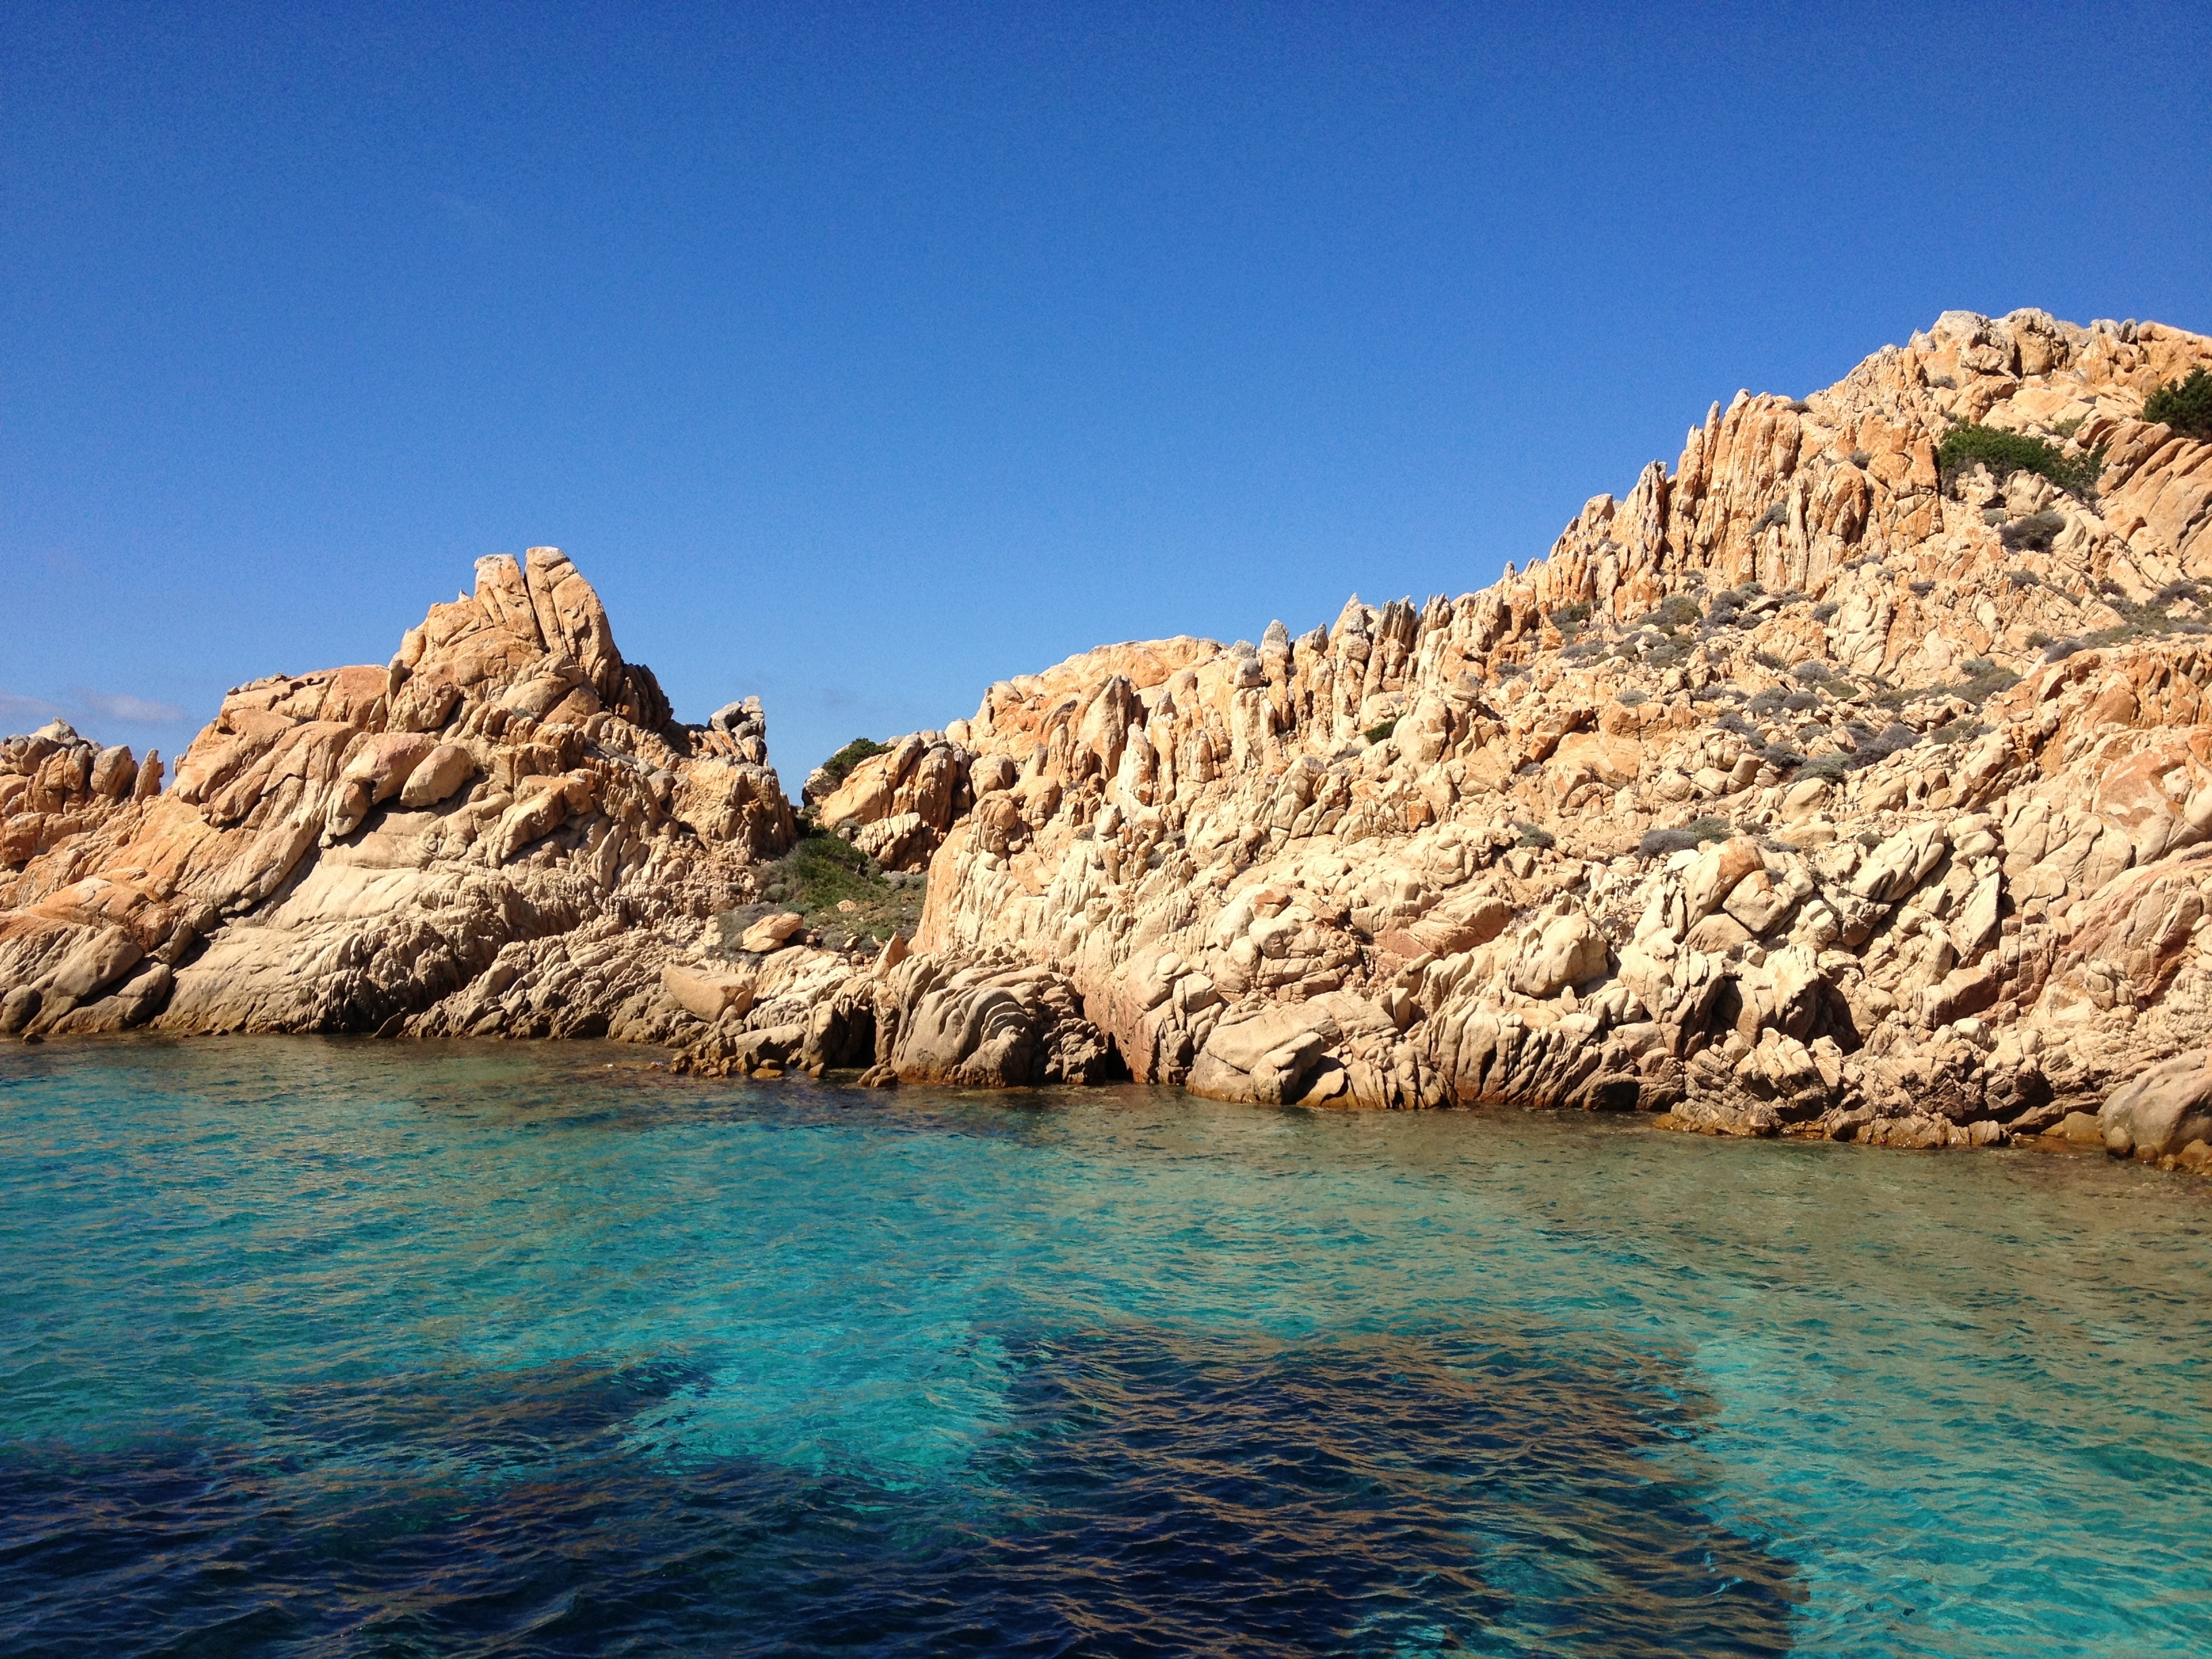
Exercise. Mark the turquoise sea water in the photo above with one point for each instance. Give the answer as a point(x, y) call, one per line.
point(350, 1348)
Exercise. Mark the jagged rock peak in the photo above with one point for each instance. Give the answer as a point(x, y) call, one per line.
point(356, 847)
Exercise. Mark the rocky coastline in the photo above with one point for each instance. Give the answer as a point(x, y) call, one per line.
point(1816, 787)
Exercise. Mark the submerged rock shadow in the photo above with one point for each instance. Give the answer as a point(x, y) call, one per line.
point(1152, 1492)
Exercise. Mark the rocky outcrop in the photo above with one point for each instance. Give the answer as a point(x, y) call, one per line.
point(500, 831)
point(1803, 789)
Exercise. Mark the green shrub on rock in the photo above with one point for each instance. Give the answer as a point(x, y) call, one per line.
point(1664, 843)
point(840, 765)
point(1983, 680)
point(2032, 535)
point(2185, 406)
point(2007, 453)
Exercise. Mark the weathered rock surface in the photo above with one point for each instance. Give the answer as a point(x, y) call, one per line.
point(500, 831)
point(1801, 790)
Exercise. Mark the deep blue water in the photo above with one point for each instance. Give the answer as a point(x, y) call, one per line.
point(350, 1348)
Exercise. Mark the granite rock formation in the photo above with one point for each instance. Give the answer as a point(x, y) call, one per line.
point(1803, 789)
point(500, 830)
point(1800, 789)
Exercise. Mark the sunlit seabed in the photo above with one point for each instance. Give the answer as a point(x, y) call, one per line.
point(356, 1348)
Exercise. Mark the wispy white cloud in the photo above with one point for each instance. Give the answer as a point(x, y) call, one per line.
point(19, 712)
point(88, 710)
point(121, 705)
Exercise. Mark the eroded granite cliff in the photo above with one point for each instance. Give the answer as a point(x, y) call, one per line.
point(1802, 789)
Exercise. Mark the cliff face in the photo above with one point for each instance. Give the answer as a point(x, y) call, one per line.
point(1799, 789)
point(500, 830)
point(1410, 859)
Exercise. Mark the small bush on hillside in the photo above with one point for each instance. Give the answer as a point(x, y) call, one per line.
point(1958, 732)
point(1631, 697)
point(2185, 406)
point(2007, 453)
point(1378, 734)
point(1825, 611)
point(1860, 458)
point(1569, 617)
point(1879, 746)
point(1872, 746)
point(1533, 835)
point(1826, 768)
point(816, 875)
point(2033, 534)
point(1983, 680)
point(2023, 580)
point(841, 764)
point(1923, 588)
point(1664, 843)
point(1775, 515)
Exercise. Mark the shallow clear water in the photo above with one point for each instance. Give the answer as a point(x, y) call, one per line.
point(355, 1348)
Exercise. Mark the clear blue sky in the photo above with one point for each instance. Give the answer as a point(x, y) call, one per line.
point(862, 356)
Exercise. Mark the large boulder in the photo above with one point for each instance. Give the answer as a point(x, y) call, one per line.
point(709, 993)
point(2166, 1107)
point(1263, 1053)
point(991, 1023)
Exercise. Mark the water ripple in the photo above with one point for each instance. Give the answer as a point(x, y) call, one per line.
point(346, 1348)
